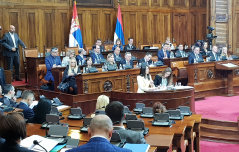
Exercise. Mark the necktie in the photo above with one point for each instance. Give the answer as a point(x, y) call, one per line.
point(165, 55)
point(98, 56)
point(54, 60)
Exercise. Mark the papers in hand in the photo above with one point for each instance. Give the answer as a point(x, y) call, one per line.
point(34, 103)
point(48, 144)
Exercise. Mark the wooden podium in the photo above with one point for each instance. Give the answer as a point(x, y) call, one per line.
point(229, 67)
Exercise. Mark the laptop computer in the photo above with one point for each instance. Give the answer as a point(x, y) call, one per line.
point(86, 124)
point(76, 113)
point(147, 112)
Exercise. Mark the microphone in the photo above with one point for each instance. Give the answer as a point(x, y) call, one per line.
point(35, 142)
point(149, 103)
point(164, 103)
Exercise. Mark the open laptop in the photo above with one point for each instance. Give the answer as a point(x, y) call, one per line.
point(175, 114)
point(76, 113)
point(137, 125)
point(161, 119)
point(86, 124)
point(147, 112)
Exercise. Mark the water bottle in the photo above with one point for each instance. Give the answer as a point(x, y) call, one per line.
point(121, 67)
point(83, 69)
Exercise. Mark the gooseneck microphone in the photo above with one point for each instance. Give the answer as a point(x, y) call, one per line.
point(35, 142)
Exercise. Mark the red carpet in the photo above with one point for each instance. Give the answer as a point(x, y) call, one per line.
point(219, 108)
point(19, 83)
point(207, 146)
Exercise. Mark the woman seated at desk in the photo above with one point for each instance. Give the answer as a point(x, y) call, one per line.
point(68, 76)
point(89, 64)
point(144, 80)
point(118, 44)
point(71, 54)
point(101, 103)
point(164, 79)
point(224, 55)
point(158, 107)
point(110, 63)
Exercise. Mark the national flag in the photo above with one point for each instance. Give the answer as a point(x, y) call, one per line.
point(119, 32)
point(75, 37)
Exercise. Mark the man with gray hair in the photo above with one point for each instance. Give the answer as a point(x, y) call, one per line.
point(81, 58)
point(9, 99)
point(100, 131)
point(127, 60)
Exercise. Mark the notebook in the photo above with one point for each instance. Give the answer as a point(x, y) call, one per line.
point(137, 147)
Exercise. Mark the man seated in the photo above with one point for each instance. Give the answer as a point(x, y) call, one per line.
point(180, 53)
point(8, 98)
point(214, 55)
point(96, 56)
point(27, 99)
point(52, 61)
point(146, 59)
point(115, 110)
point(117, 54)
point(195, 57)
point(81, 58)
point(127, 60)
point(164, 53)
point(130, 45)
point(100, 131)
point(99, 42)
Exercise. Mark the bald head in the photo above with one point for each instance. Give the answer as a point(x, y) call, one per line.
point(11, 28)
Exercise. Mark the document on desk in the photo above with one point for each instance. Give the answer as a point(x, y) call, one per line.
point(137, 147)
point(48, 144)
point(62, 107)
point(230, 65)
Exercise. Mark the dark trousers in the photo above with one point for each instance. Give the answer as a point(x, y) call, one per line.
point(14, 61)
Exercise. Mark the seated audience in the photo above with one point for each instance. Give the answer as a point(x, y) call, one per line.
point(102, 102)
point(192, 49)
point(168, 41)
point(130, 45)
point(13, 130)
point(96, 56)
point(198, 43)
point(224, 55)
point(71, 54)
point(2, 77)
point(195, 57)
point(99, 42)
point(147, 59)
point(164, 53)
point(118, 44)
point(115, 110)
point(214, 55)
point(68, 76)
point(100, 131)
point(127, 60)
point(180, 53)
point(110, 63)
point(164, 79)
point(158, 107)
point(27, 99)
point(8, 98)
point(204, 50)
point(144, 80)
point(43, 107)
point(89, 64)
point(81, 58)
point(117, 54)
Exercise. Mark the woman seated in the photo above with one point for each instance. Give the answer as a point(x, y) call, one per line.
point(110, 63)
point(43, 107)
point(164, 79)
point(102, 102)
point(89, 64)
point(158, 107)
point(144, 80)
point(118, 44)
point(68, 76)
point(224, 55)
point(13, 130)
point(204, 50)
point(71, 54)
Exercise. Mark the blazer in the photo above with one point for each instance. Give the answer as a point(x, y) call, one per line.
point(27, 112)
point(143, 60)
point(8, 43)
point(9, 146)
point(118, 57)
point(127, 47)
point(123, 61)
point(192, 56)
point(214, 58)
point(178, 54)
point(161, 54)
point(98, 144)
point(101, 48)
point(95, 59)
point(8, 102)
point(80, 60)
point(132, 137)
point(143, 84)
point(65, 75)
point(158, 81)
point(2, 77)
point(49, 61)
point(121, 47)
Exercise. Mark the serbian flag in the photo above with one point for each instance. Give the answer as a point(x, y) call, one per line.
point(119, 32)
point(75, 37)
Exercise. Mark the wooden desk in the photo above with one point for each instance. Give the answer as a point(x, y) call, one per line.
point(167, 62)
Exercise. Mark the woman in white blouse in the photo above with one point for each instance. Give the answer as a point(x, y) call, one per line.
point(145, 82)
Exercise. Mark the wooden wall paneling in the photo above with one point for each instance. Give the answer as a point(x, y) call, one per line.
point(133, 3)
point(144, 2)
point(143, 28)
point(107, 29)
point(179, 2)
point(155, 3)
point(95, 26)
point(155, 26)
point(193, 3)
point(132, 27)
point(165, 3)
point(165, 26)
point(193, 28)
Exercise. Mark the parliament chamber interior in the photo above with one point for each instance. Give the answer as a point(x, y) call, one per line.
point(164, 71)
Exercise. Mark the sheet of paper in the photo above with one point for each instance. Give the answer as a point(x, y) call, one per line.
point(34, 103)
point(230, 65)
point(61, 107)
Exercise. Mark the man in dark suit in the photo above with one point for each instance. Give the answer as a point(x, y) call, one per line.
point(27, 99)
point(130, 45)
point(214, 55)
point(180, 53)
point(11, 42)
point(96, 56)
point(127, 60)
point(8, 98)
point(115, 110)
point(99, 42)
point(164, 53)
point(195, 57)
point(100, 131)
point(117, 54)
point(52, 61)
point(81, 58)
point(146, 59)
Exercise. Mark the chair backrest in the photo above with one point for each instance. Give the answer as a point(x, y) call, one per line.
point(157, 45)
point(142, 46)
point(108, 47)
point(154, 58)
point(87, 49)
point(177, 64)
point(185, 63)
point(41, 71)
point(32, 52)
point(72, 48)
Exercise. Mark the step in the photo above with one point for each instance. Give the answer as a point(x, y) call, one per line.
point(219, 122)
point(219, 137)
point(220, 131)
point(215, 127)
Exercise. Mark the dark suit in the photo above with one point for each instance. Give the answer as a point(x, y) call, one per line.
point(95, 58)
point(2, 77)
point(12, 56)
point(121, 47)
point(28, 112)
point(179, 54)
point(8, 102)
point(80, 59)
point(143, 60)
point(127, 47)
point(98, 144)
point(161, 54)
point(158, 81)
point(119, 57)
point(132, 137)
point(192, 57)
point(122, 62)
point(49, 61)
point(102, 49)
point(9, 146)
point(213, 57)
